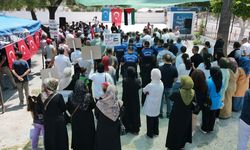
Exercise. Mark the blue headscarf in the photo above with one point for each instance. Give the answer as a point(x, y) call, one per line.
point(244, 62)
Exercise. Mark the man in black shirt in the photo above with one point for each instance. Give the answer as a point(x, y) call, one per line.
point(196, 59)
point(20, 69)
point(169, 76)
point(4, 69)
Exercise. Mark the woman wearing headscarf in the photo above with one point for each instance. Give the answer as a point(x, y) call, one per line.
point(66, 80)
point(80, 105)
point(180, 122)
point(109, 68)
point(131, 102)
point(152, 105)
point(55, 131)
point(108, 125)
point(215, 86)
point(226, 111)
point(242, 83)
point(200, 87)
point(223, 63)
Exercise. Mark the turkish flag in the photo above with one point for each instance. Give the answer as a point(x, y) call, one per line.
point(32, 45)
point(10, 53)
point(37, 39)
point(22, 47)
point(116, 14)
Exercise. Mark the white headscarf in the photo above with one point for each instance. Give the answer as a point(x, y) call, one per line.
point(65, 81)
point(156, 75)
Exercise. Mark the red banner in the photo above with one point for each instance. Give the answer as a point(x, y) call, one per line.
point(22, 47)
point(32, 45)
point(10, 54)
point(116, 14)
point(37, 39)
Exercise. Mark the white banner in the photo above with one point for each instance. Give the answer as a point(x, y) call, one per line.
point(53, 29)
point(113, 39)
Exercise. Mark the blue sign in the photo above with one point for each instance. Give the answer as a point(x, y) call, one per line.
point(105, 14)
point(184, 22)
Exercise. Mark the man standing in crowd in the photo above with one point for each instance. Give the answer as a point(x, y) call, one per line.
point(147, 63)
point(61, 62)
point(20, 69)
point(49, 53)
point(129, 59)
point(169, 76)
point(196, 59)
point(119, 53)
point(245, 47)
point(4, 69)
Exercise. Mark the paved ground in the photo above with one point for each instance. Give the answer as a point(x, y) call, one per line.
point(16, 122)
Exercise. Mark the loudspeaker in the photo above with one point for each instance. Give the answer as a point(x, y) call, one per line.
point(62, 22)
point(188, 23)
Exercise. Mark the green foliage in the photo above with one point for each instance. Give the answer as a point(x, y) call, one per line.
point(28, 4)
point(197, 40)
point(216, 6)
point(241, 8)
point(202, 28)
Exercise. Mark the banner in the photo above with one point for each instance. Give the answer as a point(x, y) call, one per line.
point(116, 14)
point(10, 53)
point(129, 16)
point(53, 29)
point(74, 42)
point(113, 39)
point(37, 39)
point(105, 14)
point(22, 47)
point(91, 52)
point(32, 45)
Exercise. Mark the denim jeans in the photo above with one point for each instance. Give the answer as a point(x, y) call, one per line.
point(166, 94)
point(38, 129)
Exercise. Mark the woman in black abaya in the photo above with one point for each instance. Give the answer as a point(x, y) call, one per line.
point(131, 102)
point(80, 106)
point(108, 125)
point(55, 131)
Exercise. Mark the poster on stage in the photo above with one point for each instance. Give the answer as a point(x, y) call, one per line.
point(184, 22)
point(74, 42)
point(113, 39)
point(91, 52)
point(49, 73)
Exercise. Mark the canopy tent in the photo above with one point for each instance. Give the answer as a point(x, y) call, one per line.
point(136, 3)
point(12, 25)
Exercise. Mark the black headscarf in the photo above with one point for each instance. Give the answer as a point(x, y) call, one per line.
point(131, 72)
point(80, 96)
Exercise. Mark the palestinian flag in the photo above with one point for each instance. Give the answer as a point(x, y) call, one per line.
point(129, 16)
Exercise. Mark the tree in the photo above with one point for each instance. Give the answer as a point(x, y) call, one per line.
point(32, 5)
point(224, 25)
point(239, 8)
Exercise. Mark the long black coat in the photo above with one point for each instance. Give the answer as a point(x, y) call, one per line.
point(180, 123)
point(131, 102)
point(83, 126)
point(55, 131)
point(107, 134)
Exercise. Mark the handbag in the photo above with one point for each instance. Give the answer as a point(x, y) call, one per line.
point(196, 107)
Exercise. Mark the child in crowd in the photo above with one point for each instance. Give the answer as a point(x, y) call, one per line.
point(35, 106)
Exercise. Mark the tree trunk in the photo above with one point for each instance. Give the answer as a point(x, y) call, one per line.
point(52, 12)
point(224, 25)
point(34, 17)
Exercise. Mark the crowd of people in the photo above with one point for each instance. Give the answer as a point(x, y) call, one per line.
point(157, 74)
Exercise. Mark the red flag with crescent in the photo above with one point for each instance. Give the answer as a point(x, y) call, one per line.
point(32, 45)
point(37, 39)
point(116, 14)
point(22, 47)
point(10, 53)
